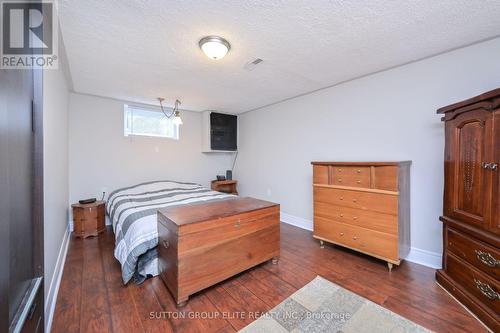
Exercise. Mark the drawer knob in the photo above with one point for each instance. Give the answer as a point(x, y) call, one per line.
point(341, 198)
point(493, 166)
point(237, 223)
point(487, 259)
point(359, 181)
point(165, 244)
point(340, 170)
point(341, 234)
point(355, 218)
point(341, 215)
point(355, 238)
point(359, 171)
point(340, 180)
point(354, 200)
point(486, 290)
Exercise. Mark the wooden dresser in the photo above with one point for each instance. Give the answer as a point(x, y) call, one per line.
point(364, 206)
point(471, 207)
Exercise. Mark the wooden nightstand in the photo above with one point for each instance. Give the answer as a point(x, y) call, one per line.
point(88, 219)
point(226, 186)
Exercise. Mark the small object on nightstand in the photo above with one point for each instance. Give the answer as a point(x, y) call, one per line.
point(87, 201)
point(221, 178)
point(226, 186)
point(88, 219)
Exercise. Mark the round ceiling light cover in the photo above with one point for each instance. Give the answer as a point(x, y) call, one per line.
point(214, 47)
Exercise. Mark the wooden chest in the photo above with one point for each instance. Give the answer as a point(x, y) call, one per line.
point(471, 206)
point(364, 206)
point(89, 219)
point(202, 244)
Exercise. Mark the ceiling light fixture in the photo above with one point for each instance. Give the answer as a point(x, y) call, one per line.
point(214, 47)
point(175, 111)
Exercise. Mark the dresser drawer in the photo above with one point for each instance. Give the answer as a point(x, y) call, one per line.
point(480, 255)
point(381, 245)
point(479, 285)
point(386, 178)
point(361, 171)
point(320, 174)
point(372, 220)
point(377, 202)
point(351, 176)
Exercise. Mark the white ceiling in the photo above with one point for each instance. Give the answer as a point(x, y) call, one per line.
point(138, 50)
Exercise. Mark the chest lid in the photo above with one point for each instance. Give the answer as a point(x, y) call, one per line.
point(206, 211)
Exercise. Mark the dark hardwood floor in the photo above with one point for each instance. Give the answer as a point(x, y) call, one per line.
point(92, 297)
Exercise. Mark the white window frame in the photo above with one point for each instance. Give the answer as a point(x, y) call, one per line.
point(128, 125)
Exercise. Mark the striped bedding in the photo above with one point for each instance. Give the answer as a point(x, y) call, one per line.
point(132, 211)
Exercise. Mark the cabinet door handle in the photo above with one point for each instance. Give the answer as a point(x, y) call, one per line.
point(165, 244)
point(237, 223)
point(485, 165)
point(486, 290)
point(487, 259)
point(494, 166)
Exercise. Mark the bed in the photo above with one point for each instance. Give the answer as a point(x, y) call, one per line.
point(133, 213)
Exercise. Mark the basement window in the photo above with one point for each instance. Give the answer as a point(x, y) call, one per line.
point(152, 122)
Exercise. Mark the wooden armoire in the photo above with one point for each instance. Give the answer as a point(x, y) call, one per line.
point(471, 212)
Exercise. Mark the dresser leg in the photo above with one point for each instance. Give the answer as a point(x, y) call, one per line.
point(321, 244)
point(275, 260)
point(389, 265)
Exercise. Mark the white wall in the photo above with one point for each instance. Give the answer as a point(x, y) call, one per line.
point(390, 115)
point(102, 157)
point(55, 173)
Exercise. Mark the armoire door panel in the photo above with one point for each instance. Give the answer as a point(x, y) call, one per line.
point(470, 146)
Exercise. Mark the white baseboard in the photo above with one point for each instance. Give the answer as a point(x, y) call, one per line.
point(416, 255)
point(296, 221)
point(424, 257)
point(50, 301)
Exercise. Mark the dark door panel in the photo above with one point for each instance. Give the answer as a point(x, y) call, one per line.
point(468, 182)
point(21, 196)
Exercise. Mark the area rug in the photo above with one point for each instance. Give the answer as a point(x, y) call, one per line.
point(322, 306)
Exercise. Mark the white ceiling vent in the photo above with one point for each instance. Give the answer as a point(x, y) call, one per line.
point(250, 66)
